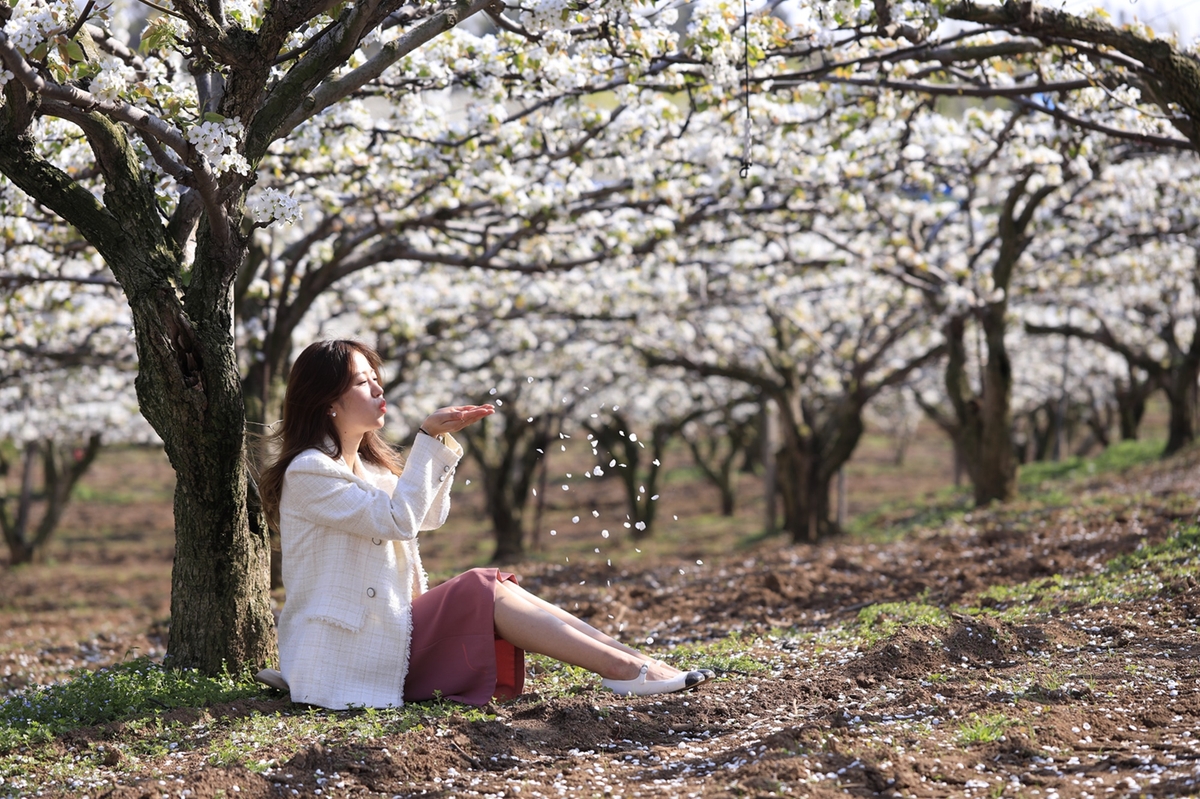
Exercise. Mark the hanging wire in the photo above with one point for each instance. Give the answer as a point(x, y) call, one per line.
point(745, 170)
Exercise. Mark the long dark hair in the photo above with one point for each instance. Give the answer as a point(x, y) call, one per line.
point(319, 376)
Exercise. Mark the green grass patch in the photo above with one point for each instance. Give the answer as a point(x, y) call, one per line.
point(1134, 575)
point(877, 622)
point(1115, 459)
point(984, 728)
point(128, 690)
point(1180, 550)
point(728, 654)
point(893, 520)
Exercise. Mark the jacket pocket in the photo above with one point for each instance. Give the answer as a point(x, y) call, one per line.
point(340, 612)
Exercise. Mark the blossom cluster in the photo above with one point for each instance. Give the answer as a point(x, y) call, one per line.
point(272, 205)
point(218, 141)
point(34, 20)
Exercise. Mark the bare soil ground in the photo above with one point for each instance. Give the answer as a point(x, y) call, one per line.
point(1032, 681)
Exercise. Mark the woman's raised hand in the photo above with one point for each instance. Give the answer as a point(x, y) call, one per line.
point(454, 418)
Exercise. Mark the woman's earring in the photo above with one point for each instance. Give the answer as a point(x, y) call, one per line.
point(333, 413)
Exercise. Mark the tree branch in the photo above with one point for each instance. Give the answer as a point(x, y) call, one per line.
point(338, 89)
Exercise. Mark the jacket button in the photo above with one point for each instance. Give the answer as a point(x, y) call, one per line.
point(442, 479)
point(370, 592)
point(445, 468)
point(376, 541)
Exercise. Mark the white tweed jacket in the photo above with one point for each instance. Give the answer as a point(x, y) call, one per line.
point(351, 569)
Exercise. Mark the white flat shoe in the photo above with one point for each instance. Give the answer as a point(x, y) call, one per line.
point(273, 678)
point(640, 686)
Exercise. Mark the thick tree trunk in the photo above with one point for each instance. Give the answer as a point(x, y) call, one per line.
point(811, 455)
point(1131, 407)
point(507, 529)
point(997, 466)
point(188, 386)
point(508, 462)
point(985, 421)
point(62, 467)
point(717, 466)
point(1180, 388)
point(1099, 422)
point(804, 492)
point(984, 426)
point(1042, 434)
point(190, 391)
point(16, 526)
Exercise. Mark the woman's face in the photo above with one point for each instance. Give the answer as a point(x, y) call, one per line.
point(361, 408)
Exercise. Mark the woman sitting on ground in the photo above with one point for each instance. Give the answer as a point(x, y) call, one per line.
point(360, 626)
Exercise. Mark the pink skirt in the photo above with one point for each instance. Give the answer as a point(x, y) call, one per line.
point(455, 652)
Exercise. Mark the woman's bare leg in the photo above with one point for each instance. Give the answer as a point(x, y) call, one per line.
point(574, 621)
point(535, 627)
